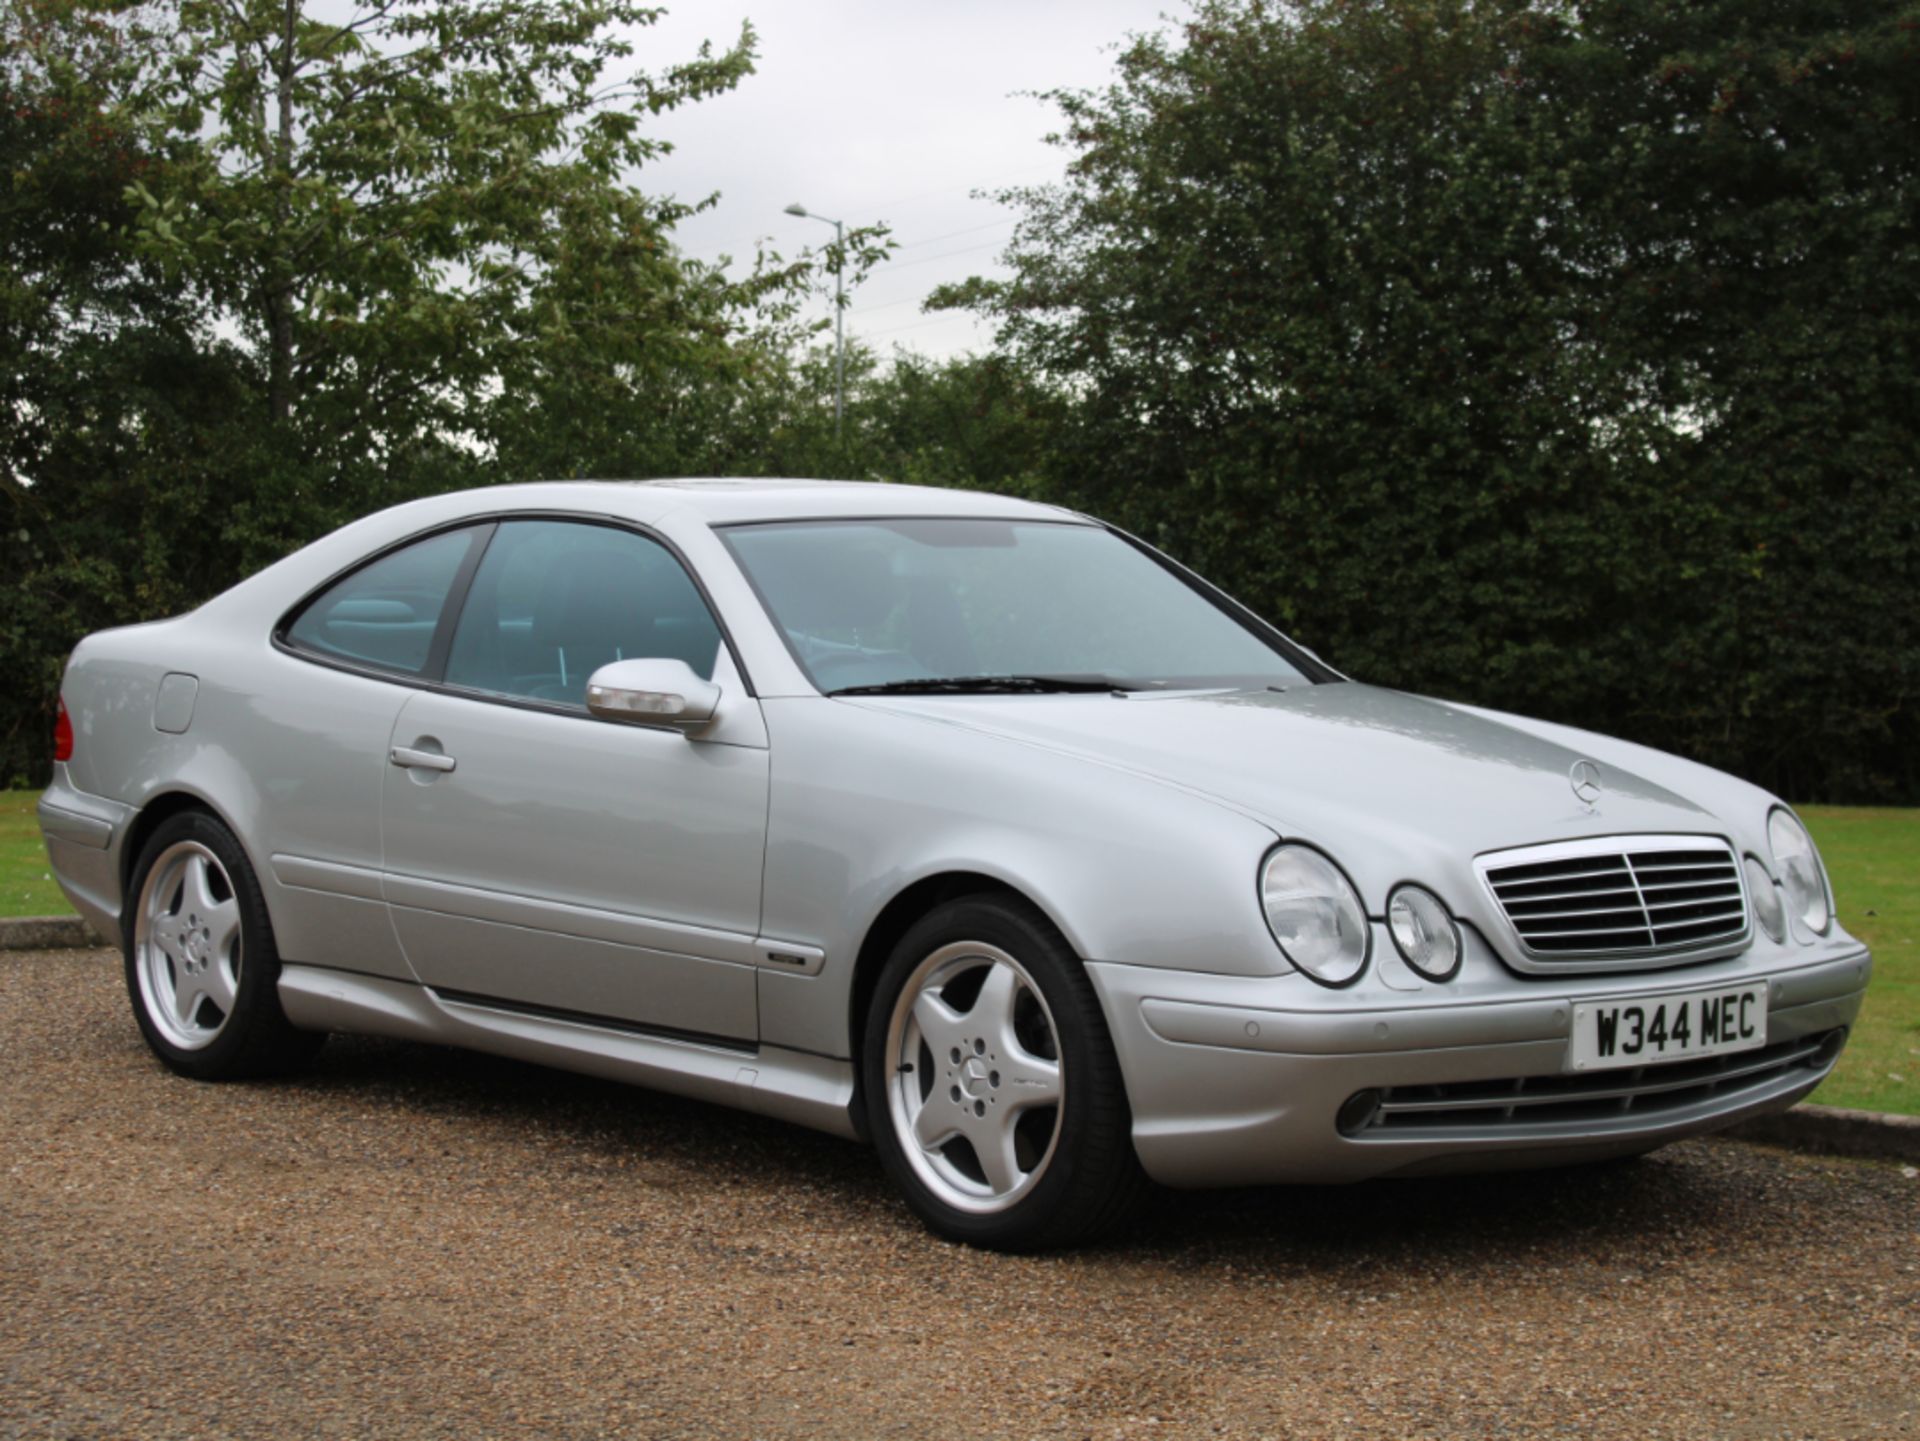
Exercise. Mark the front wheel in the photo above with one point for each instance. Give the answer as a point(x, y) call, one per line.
point(202, 969)
point(991, 1084)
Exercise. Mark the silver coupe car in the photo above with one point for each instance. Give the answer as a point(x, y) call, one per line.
point(967, 825)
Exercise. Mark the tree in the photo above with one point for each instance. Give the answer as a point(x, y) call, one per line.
point(272, 264)
point(420, 221)
point(1546, 354)
point(973, 422)
point(109, 405)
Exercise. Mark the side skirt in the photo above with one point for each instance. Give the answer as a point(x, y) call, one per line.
point(795, 1086)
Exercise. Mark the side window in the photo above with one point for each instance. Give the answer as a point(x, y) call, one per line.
point(553, 601)
point(385, 614)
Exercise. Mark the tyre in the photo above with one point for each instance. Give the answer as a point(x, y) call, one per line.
point(202, 971)
point(992, 1089)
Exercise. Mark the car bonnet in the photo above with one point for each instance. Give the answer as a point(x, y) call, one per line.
point(1348, 766)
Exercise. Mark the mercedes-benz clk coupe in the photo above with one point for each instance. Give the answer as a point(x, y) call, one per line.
point(968, 825)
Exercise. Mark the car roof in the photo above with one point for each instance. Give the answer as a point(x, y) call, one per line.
point(734, 500)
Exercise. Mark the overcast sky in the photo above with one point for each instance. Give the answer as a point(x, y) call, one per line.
point(882, 110)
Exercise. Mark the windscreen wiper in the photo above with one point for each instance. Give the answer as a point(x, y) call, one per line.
point(991, 685)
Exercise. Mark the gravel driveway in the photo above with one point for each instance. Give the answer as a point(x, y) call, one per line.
point(415, 1242)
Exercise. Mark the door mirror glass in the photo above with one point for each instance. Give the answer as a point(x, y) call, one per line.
point(652, 693)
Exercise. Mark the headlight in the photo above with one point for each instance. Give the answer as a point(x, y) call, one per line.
point(1799, 866)
point(1315, 914)
point(1766, 901)
point(1423, 932)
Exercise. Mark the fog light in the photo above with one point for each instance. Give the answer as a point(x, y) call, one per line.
point(1829, 1051)
point(1358, 1113)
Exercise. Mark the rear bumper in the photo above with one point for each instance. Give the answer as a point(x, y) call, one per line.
point(1230, 1093)
point(84, 835)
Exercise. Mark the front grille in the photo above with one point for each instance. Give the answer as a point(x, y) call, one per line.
point(1480, 1107)
point(1640, 897)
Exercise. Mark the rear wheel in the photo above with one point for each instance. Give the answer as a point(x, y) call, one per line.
point(992, 1088)
point(202, 970)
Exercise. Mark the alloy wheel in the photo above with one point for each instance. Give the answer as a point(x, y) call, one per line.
point(977, 1088)
point(187, 945)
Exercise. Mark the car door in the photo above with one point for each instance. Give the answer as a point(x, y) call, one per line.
point(320, 713)
point(540, 858)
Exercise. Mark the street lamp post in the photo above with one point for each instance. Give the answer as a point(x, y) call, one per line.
point(839, 311)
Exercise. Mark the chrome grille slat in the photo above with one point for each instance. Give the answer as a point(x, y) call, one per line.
point(1613, 910)
point(1722, 902)
point(1640, 925)
point(1514, 900)
point(1621, 902)
point(1647, 867)
point(1675, 858)
point(1558, 876)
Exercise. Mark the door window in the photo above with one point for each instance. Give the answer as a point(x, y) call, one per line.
point(553, 601)
point(385, 614)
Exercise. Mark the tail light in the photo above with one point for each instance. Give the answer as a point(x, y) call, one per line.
point(62, 734)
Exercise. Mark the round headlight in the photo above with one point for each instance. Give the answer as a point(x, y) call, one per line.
point(1315, 914)
point(1766, 901)
point(1423, 932)
point(1799, 866)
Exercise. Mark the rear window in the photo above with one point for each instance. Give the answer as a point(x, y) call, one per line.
point(385, 614)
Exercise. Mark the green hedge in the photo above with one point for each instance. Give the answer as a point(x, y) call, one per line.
point(1559, 357)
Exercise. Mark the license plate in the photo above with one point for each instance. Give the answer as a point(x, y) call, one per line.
point(1645, 1031)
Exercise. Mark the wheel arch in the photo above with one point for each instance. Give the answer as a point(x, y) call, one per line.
point(898, 916)
point(156, 812)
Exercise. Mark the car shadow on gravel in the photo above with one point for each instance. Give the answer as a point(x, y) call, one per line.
point(596, 1120)
point(1707, 1193)
point(1445, 1217)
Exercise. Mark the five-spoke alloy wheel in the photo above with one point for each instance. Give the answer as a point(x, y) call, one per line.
point(186, 942)
point(976, 1080)
point(202, 969)
point(992, 1088)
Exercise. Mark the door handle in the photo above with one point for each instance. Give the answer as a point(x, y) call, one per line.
point(408, 758)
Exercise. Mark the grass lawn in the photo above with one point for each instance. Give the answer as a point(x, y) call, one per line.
point(26, 881)
point(1873, 855)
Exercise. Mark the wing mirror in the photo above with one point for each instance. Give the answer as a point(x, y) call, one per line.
point(653, 692)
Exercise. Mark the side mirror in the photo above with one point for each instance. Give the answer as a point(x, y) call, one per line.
point(654, 692)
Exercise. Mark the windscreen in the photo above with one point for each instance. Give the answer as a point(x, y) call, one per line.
point(872, 603)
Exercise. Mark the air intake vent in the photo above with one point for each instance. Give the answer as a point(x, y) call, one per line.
point(1492, 1109)
point(1623, 901)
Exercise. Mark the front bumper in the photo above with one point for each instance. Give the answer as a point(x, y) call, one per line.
point(1229, 1088)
